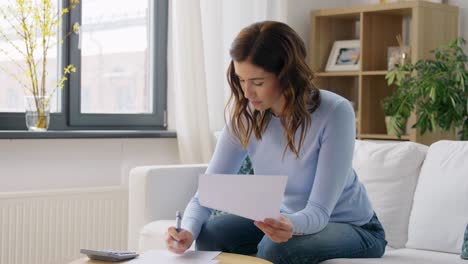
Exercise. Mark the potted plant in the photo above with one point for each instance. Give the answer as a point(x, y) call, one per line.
point(395, 122)
point(31, 33)
point(436, 90)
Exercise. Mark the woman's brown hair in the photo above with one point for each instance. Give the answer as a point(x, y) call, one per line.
point(276, 48)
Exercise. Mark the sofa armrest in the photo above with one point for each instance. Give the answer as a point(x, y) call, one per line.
point(157, 192)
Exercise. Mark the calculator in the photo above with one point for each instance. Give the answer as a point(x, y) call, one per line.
point(109, 255)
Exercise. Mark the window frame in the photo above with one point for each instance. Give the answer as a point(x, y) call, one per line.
point(70, 117)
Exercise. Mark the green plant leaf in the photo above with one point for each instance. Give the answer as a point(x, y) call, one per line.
point(435, 88)
point(453, 102)
point(390, 78)
point(433, 93)
point(467, 107)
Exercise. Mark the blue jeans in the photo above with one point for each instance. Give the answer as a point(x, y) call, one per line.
point(234, 234)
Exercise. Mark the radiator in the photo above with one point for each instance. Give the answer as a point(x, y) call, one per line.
point(50, 227)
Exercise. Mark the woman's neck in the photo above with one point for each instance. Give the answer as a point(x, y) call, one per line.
point(277, 109)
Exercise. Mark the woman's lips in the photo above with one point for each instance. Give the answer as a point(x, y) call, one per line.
point(256, 103)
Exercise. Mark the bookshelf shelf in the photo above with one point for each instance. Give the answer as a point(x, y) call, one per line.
point(368, 73)
point(336, 74)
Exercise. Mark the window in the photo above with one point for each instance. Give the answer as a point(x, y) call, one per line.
point(120, 56)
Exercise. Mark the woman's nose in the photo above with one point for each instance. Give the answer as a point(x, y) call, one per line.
point(249, 90)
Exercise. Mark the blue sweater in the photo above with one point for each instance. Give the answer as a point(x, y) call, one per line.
point(322, 185)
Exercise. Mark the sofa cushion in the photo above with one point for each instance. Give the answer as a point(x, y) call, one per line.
point(440, 208)
point(389, 171)
point(405, 256)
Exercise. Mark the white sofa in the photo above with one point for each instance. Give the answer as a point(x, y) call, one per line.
point(420, 194)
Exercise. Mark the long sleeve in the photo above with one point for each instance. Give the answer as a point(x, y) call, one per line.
point(227, 159)
point(333, 167)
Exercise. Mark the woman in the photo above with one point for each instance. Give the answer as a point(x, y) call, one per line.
point(287, 127)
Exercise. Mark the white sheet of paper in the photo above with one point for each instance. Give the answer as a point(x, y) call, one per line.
point(161, 256)
point(251, 196)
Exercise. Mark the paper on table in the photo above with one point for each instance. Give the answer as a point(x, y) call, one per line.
point(161, 256)
point(251, 196)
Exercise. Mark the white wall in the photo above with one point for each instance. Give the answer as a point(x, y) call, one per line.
point(298, 16)
point(38, 164)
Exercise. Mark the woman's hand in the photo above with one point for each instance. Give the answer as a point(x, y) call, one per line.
point(277, 230)
point(178, 242)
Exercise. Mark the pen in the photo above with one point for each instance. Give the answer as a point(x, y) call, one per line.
point(178, 220)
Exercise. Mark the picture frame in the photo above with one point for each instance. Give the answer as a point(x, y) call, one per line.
point(345, 55)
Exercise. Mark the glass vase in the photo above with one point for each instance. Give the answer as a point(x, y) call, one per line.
point(37, 110)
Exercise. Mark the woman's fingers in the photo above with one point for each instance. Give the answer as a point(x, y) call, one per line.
point(278, 224)
point(280, 237)
point(277, 231)
point(264, 227)
point(176, 249)
point(277, 236)
point(174, 234)
point(178, 242)
point(175, 246)
point(179, 236)
point(168, 239)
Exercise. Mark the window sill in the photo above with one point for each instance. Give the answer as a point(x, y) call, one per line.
point(57, 134)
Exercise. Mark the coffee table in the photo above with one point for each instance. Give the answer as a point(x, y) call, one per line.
point(224, 258)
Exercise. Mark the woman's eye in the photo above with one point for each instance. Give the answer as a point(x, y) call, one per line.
point(258, 83)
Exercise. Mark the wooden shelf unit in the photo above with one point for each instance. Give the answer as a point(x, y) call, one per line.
point(376, 26)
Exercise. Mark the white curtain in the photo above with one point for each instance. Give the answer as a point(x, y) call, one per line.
point(201, 32)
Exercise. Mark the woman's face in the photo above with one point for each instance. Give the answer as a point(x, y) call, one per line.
point(260, 87)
